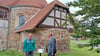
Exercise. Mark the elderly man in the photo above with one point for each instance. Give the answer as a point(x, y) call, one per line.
point(29, 46)
point(51, 47)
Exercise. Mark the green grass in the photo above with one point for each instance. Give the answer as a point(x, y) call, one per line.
point(74, 52)
point(85, 40)
point(10, 53)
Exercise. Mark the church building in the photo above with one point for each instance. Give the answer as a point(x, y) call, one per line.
point(18, 18)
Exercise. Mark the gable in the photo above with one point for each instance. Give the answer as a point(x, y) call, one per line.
point(56, 18)
point(41, 16)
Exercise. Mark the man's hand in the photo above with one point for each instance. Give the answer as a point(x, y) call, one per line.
point(24, 53)
point(34, 51)
point(52, 54)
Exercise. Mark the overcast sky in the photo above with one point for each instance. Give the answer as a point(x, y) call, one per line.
point(72, 9)
point(63, 1)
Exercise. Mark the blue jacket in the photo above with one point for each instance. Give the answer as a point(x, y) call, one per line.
point(51, 47)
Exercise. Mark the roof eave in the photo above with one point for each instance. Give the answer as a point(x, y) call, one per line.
point(24, 6)
point(3, 6)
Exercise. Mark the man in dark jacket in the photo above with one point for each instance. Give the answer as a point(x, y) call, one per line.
point(51, 47)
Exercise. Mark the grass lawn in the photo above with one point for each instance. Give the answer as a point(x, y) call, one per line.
point(74, 52)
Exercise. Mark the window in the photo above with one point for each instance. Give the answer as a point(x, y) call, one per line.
point(3, 14)
point(21, 20)
point(61, 36)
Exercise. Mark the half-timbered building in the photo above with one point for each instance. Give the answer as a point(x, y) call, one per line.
point(39, 18)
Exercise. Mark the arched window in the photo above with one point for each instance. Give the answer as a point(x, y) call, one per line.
point(3, 18)
point(3, 14)
point(21, 20)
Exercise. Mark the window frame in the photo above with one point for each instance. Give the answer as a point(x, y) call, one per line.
point(22, 23)
point(5, 13)
point(61, 36)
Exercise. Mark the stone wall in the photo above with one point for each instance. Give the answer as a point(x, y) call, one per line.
point(3, 38)
point(15, 38)
point(41, 36)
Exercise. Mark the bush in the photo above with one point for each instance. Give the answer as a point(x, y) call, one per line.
point(82, 45)
point(86, 45)
point(98, 50)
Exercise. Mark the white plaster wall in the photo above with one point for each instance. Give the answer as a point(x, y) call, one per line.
point(64, 15)
point(3, 23)
point(52, 13)
point(49, 21)
point(58, 14)
point(58, 20)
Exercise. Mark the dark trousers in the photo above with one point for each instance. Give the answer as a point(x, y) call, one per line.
point(30, 53)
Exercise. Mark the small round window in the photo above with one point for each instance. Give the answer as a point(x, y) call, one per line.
point(61, 36)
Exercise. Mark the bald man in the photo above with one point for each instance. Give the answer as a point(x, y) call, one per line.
point(51, 47)
point(29, 46)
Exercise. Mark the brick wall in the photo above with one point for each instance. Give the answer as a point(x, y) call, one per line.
point(14, 38)
point(3, 38)
point(41, 36)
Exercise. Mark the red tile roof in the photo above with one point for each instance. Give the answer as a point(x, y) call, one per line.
point(7, 2)
point(39, 3)
point(40, 16)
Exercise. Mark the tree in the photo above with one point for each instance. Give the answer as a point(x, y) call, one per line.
point(91, 10)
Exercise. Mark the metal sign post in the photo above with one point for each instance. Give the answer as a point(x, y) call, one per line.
point(40, 54)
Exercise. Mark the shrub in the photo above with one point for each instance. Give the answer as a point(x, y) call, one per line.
point(98, 50)
point(82, 45)
point(87, 45)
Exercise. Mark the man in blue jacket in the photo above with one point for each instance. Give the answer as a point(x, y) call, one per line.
point(51, 47)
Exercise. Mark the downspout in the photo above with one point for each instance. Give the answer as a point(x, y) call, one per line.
point(9, 10)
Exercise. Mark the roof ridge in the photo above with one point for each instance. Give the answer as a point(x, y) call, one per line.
point(44, 1)
point(55, 1)
point(61, 4)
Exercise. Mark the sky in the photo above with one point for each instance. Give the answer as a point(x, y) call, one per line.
point(72, 9)
point(63, 1)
